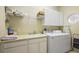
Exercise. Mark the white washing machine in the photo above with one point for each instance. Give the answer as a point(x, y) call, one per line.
point(58, 42)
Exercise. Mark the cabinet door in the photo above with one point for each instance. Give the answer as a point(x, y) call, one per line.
point(19, 49)
point(61, 19)
point(51, 17)
point(34, 48)
point(38, 45)
point(43, 47)
point(33, 45)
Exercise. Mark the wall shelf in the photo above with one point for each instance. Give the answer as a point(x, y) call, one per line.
point(10, 12)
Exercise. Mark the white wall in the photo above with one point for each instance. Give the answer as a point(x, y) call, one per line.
point(27, 24)
point(67, 11)
point(2, 21)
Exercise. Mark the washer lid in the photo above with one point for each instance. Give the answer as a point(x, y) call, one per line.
point(56, 34)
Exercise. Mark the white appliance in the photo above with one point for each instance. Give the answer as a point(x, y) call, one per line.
point(58, 42)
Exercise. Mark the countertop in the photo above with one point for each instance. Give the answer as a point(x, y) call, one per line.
point(22, 37)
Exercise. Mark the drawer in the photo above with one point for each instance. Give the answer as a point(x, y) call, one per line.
point(14, 44)
point(43, 39)
point(34, 40)
point(19, 49)
point(37, 40)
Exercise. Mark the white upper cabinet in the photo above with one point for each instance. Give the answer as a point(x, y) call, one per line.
point(61, 20)
point(53, 18)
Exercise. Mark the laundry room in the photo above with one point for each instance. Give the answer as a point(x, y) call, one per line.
point(39, 29)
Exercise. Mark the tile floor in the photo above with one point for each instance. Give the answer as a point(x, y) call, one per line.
point(74, 51)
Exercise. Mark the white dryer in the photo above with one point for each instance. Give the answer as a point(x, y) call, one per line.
point(59, 42)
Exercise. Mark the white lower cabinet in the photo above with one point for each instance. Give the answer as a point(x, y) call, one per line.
point(34, 45)
point(19, 49)
point(15, 47)
point(43, 47)
point(34, 48)
point(37, 45)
